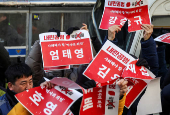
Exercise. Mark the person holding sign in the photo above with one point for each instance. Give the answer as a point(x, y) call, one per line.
point(91, 84)
point(148, 48)
point(19, 77)
point(148, 45)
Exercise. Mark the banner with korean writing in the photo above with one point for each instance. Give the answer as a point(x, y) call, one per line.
point(100, 101)
point(118, 12)
point(140, 77)
point(44, 101)
point(66, 50)
point(108, 64)
point(165, 38)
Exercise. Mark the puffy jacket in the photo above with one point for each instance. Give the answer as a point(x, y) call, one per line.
point(34, 61)
point(149, 52)
point(18, 109)
point(4, 105)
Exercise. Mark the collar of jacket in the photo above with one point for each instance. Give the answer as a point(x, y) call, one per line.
point(11, 97)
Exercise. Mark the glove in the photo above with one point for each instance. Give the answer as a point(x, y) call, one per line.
point(89, 84)
point(142, 62)
point(54, 30)
point(71, 29)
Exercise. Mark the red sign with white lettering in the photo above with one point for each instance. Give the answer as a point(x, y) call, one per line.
point(100, 100)
point(108, 64)
point(118, 12)
point(73, 51)
point(56, 68)
point(48, 101)
point(139, 76)
point(165, 38)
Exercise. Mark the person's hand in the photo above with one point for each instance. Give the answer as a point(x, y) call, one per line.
point(84, 27)
point(47, 84)
point(112, 30)
point(123, 87)
point(148, 30)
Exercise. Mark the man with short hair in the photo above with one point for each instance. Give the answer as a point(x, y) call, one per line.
point(19, 77)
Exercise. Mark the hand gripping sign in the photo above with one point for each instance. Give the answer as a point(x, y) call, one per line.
point(66, 50)
point(140, 77)
point(117, 12)
point(165, 38)
point(108, 64)
point(53, 101)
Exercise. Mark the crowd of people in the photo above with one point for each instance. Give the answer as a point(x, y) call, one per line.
point(23, 76)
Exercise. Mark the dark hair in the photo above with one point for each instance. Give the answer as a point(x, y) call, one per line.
point(17, 71)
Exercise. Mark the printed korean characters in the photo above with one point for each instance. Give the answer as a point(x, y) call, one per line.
point(48, 101)
point(118, 12)
point(100, 100)
point(138, 77)
point(108, 64)
point(165, 38)
point(71, 49)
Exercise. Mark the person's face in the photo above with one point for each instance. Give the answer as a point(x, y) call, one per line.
point(22, 84)
point(2, 18)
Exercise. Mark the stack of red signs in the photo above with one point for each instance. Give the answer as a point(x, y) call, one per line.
point(60, 52)
point(165, 38)
point(111, 63)
point(50, 101)
point(117, 12)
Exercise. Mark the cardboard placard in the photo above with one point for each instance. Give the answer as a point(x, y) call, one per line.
point(117, 12)
point(165, 38)
point(66, 50)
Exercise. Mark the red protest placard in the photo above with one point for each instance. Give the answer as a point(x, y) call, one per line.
point(100, 100)
point(118, 12)
point(73, 51)
point(65, 82)
point(56, 68)
point(139, 76)
point(108, 64)
point(48, 101)
point(165, 38)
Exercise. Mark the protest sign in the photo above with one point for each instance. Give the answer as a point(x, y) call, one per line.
point(65, 82)
point(71, 49)
point(69, 112)
point(165, 38)
point(140, 77)
point(117, 12)
point(108, 64)
point(100, 100)
point(56, 68)
point(111, 61)
point(48, 101)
